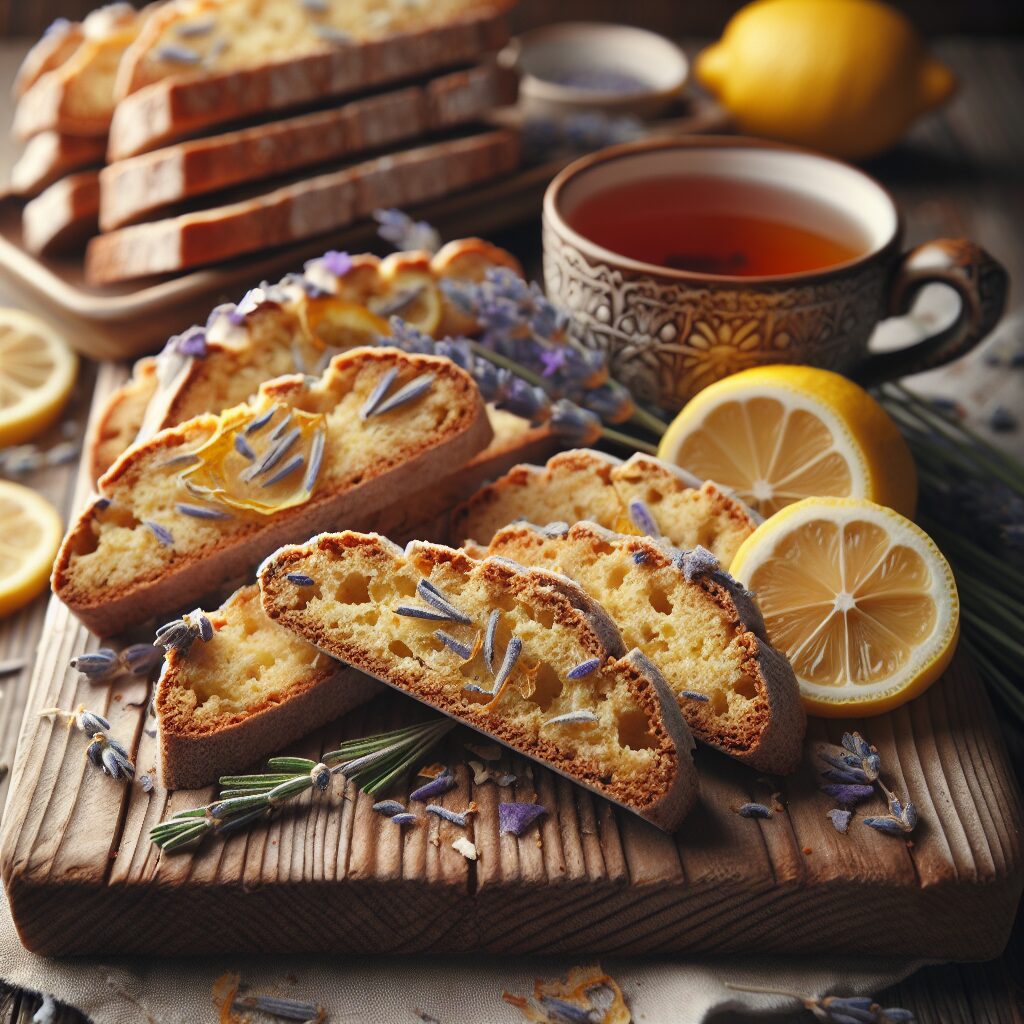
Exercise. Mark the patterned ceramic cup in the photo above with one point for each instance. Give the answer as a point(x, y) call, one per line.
point(668, 333)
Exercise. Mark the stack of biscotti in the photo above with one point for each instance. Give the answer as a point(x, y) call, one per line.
point(240, 125)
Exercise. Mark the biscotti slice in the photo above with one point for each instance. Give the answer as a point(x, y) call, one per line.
point(54, 47)
point(134, 188)
point(702, 630)
point(304, 209)
point(201, 95)
point(642, 495)
point(50, 156)
point(203, 502)
point(253, 688)
point(62, 217)
point(521, 655)
point(289, 328)
point(77, 96)
point(191, 38)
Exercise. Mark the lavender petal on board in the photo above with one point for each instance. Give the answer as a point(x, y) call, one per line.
point(516, 818)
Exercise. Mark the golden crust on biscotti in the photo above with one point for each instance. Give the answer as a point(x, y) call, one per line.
point(140, 549)
point(585, 485)
point(250, 690)
point(631, 744)
point(53, 48)
point(694, 621)
point(50, 156)
point(275, 337)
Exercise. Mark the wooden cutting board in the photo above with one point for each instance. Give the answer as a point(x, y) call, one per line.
point(331, 875)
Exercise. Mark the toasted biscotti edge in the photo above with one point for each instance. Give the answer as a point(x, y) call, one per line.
point(170, 108)
point(50, 156)
point(193, 755)
point(302, 209)
point(63, 216)
point(108, 613)
point(560, 598)
point(771, 736)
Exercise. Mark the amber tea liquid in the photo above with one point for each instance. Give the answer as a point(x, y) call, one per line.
point(719, 226)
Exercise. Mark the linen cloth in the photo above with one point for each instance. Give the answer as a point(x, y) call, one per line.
point(451, 989)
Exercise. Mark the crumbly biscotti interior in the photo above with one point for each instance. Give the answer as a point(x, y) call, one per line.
point(250, 663)
point(613, 738)
point(585, 485)
point(190, 490)
point(203, 36)
point(703, 633)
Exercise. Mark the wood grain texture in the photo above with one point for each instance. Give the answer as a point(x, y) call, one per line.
point(330, 873)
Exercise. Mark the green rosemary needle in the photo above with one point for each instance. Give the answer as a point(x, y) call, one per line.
point(372, 762)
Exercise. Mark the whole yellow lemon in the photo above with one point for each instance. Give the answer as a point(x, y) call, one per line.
point(843, 76)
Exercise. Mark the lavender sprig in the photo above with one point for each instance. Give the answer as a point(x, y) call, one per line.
point(838, 1009)
point(403, 232)
point(373, 763)
point(105, 752)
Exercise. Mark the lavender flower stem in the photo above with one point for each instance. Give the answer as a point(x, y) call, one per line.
point(648, 421)
point(630, 442)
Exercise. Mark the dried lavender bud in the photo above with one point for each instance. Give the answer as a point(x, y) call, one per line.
point(584, 668)
point(888, 825)
point(643, 519)
point(300, 579)
point(162, 534)
point(435, 787)
point(146, 782)
point(460, 818)
point(173, 53)
point(489, 635)
point(752, 810)
point(516, 818)
point(140, 659)
point(200, 511)
point(404, 819)
point(701, 698)
point(464, 651)
point(320, 775)
point(840, 820)
point(90, 723)
point(389, 808)
point(181, 633)
point(848, 794)
point(116, 762)
point(574, 718)
point(287, 1009)
point(96, 665)
point(429, 593)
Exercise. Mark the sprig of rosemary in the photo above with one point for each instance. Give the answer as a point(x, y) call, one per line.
point(372, 762)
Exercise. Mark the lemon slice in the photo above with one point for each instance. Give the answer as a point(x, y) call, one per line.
point(859, 598)
point(777, 434)
point(337, 323)
point(263, 461)
point(37, 372)
point(30, 533)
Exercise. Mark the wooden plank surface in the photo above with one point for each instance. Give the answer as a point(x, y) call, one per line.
point(590, 880)
point(962, 173)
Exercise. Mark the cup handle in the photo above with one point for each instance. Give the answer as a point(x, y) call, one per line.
point(979, 280)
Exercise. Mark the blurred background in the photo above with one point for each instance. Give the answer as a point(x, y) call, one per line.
point(21, 17)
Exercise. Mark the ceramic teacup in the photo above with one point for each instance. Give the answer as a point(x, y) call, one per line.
point(668, 333)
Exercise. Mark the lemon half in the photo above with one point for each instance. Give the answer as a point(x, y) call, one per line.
point(777, 434)
point(859, 599)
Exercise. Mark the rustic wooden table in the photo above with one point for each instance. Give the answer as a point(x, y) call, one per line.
point(959, 174)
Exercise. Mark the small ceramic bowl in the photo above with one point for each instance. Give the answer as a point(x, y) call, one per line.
point(581, 66)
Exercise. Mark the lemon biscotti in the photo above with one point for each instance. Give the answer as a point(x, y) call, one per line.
point(338, 302)
point(642, 495)
point(522, 655)
point(181, 513)
point(702, 630)
point(250, 690)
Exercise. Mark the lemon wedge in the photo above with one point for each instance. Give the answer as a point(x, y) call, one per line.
point(777, 434)
point(30, 533)
point(413, 296)
point(858, 597)
point(37, 372)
